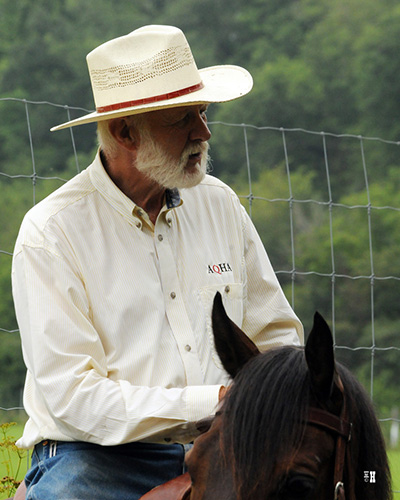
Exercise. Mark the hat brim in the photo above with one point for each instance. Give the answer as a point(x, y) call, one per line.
point(221, 84)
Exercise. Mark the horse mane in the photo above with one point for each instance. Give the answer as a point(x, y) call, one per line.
point(369, 454)
point(264, 417)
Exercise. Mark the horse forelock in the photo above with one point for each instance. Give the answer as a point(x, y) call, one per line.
point(264, 415)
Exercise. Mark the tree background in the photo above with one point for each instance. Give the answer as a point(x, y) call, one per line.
point(318, 65)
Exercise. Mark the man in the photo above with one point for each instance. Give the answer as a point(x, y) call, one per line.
point(114, 275)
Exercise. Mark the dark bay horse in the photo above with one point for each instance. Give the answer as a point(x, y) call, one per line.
point(294, 425)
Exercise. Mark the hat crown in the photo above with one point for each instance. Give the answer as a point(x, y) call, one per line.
point(149, 62)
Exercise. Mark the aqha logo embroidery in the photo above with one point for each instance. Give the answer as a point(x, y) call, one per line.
point(224, 267)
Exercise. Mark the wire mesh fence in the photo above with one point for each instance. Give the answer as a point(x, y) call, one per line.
point(326, 206)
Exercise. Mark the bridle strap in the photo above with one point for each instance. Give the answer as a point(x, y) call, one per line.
point(330, 421)
point(342, 427)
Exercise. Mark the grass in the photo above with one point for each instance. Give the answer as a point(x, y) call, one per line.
point(12, 464)
point(394, 459)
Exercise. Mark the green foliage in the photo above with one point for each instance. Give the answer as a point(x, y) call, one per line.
point(317, 65)
point(11, 460)
point(377, 65)
point(394, 460)
point(270, 214)
point(12, 370)
point(358, 240)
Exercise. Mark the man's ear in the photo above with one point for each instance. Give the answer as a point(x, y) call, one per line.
point(124, 133)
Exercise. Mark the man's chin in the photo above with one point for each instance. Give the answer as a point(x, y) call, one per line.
point(190, 179)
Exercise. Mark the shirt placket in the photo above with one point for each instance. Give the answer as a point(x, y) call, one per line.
point(175, 306)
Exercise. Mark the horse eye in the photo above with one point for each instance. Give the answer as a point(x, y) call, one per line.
point(298, 487)
point(204, 424)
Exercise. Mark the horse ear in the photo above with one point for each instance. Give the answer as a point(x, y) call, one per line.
point(320, 358)
point(233, 346)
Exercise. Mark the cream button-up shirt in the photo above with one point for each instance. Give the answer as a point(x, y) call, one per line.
point(115, 312)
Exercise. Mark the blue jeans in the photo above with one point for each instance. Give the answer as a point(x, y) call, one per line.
point(85, 471)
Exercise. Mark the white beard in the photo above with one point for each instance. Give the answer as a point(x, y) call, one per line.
point(158, 165)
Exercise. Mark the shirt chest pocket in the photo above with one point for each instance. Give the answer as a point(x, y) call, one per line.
point(232, 299)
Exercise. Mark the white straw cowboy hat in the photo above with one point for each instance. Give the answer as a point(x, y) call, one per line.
point(153, 68)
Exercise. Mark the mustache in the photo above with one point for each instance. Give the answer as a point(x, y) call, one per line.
point(194, 149)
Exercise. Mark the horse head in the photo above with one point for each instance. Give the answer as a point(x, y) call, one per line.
point(293, 425)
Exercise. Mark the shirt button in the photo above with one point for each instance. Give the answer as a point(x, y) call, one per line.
point(138, 224)
point(169, 222)
point(188, 348)
point(173, 295)
point(160, 237)
point(227, 289)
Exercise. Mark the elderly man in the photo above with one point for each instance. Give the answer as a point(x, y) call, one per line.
point(114, 275)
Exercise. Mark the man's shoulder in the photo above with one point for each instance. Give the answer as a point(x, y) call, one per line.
point(58, 201)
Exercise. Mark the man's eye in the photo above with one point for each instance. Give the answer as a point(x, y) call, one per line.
point(182, 121)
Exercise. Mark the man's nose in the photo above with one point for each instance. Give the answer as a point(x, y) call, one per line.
point(200, 130)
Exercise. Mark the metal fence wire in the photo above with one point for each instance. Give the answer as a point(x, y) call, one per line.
point(342, 163)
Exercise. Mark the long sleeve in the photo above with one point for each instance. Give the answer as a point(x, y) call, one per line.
point(265, 298)
point(65, 356)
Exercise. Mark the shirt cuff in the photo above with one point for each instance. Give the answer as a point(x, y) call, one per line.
point(201, 401)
